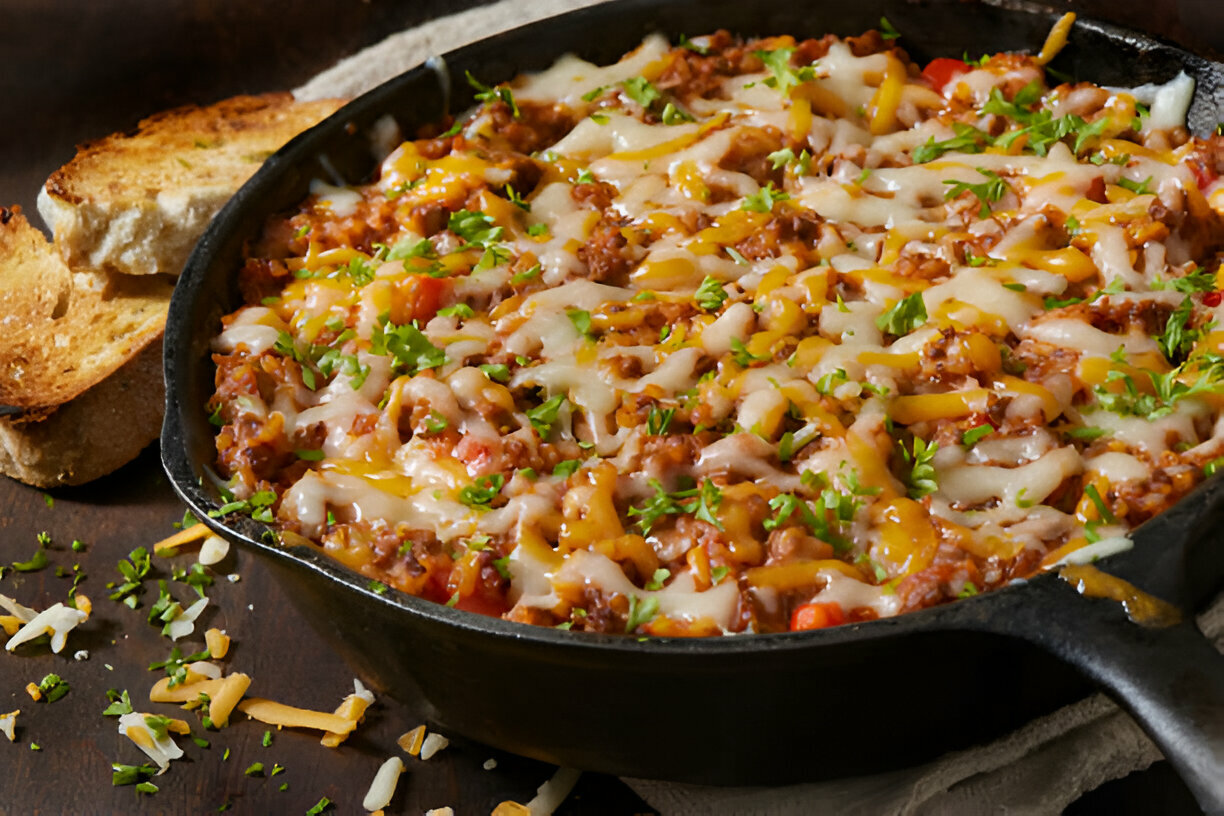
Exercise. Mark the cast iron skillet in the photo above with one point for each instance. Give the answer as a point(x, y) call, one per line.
point(763, 709)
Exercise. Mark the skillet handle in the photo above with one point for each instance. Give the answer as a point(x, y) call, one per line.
point(1171, 679)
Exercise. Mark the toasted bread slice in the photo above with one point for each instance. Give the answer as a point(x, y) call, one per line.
point(34, 283)
point(99, 431)
point(85, 325)
point(80, 362)
point(137, 202)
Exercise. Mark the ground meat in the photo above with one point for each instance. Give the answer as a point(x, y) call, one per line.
point(535, 128)
point(691, 74)
point(938, 583)
point(748, 154)
point(792, 543)
point(596, 195)
point(947, 358)
point(605, 255)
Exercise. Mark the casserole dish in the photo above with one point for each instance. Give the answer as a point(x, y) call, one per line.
point(731, 709)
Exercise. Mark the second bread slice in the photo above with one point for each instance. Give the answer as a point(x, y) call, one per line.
point(137, 202)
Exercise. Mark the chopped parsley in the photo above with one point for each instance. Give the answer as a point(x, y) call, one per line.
point(685, 42)
point(408, 347)
point(482, 491)
point(905, 315)
point(742, 356)
point(672, 115)
point(1018, 107)
point(53, 687)
point(968, 139)
point(407, 248)
point(657, 580)
point(122, 775)
point(526, 274)
point(176, 664)
point(781, 158)
point(921, 476)
point(783, 76)
point(641, 91)
point(37, 561)
point(360, 272)
point(487, 94)
point(582, 321)
point(701, 502)
point(710, 294)
point(544, 415)
point(987, 192)
point(1054, 303)
point(1205, 374)
point(735, 255)
point(258, 507)
point(566, 468)
point(816, 516)
point(657, 422)
point(1197, 280)
point(516, 199)
point(1136, 187)
point(458, 310)
point(764, 199)
point(320, 806)
point(976, 434)
point(497, 372)
point(641, 612)
point(1178, 338)
point(1102, 509)
point(479, 232)
point(133, 570)
point(120, 703)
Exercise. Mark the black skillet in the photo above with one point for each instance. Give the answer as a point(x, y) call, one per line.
point(764, 709)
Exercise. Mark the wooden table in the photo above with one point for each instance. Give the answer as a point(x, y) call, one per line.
point(78, 71)
point(71, 771)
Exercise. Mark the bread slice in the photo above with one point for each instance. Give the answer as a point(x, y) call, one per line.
point(99, 431)
point(80, 362)
point(81, 389)
point(62, 337)
point(137, 202)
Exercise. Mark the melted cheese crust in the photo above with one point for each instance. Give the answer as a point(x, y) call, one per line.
point(703, 340)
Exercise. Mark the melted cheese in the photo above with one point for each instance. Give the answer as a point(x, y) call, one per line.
point(730, 329)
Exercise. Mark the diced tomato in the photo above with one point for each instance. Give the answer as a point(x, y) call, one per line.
point(939, 72)
point(982, 419)
point(817, 616)
point(1213, 299)
point(426, 295)
point(1203, 175)
point(480, 604)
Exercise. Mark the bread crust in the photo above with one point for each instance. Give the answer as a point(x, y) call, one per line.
point(99, 431)
point(136, 202)
point(85, 327)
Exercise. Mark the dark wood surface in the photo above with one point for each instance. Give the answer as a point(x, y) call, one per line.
point(71, 773)
point(77, 71)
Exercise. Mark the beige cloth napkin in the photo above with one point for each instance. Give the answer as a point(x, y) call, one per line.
point(1039, 769)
